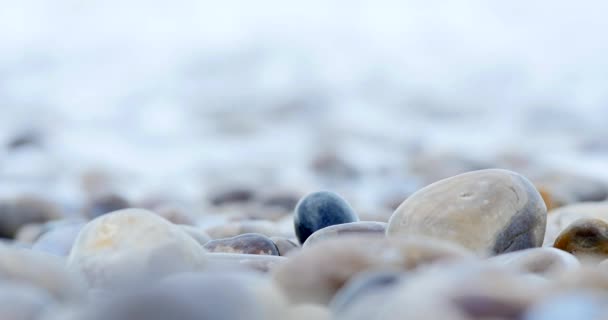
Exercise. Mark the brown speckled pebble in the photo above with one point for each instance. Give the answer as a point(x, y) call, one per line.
point(584, 237)
point(249, 243)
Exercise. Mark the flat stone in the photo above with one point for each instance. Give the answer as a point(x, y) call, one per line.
point(133, 245)
point(315, 274)
point(249, 243)
point(488, 211)
point(359, 227)
point(285, 245)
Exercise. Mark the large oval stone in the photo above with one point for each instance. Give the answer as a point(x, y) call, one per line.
point(133, 245)
point(488, 211)
point(319, 210)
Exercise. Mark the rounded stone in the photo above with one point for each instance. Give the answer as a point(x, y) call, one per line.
point(359, 227)
point(315, 274)
point(132, 245)
point(40, 270)
point(592, 305)
point(59, 240)
point(558, 220)
point(20, 211)
point(566, 188)
point(542, 261)
point(249, 243)
point(319, 210)
point(584, 237)
point(284, 245)
point(488, 211)
point(23, 302)
point(218, 296)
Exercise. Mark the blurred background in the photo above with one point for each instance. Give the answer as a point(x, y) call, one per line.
point(207, 102)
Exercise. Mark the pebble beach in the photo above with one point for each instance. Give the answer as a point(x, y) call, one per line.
point(327, 160)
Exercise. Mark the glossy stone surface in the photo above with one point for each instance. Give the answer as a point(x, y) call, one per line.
point(132, 245)
point(319, 210)
point(249, 243)
point(359, 227)
point(488, 211)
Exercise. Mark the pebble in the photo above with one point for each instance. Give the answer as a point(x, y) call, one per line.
point(359, 227)
point(23, 302)
point(132, 245)
point(285, 245)
point(488, 211)
point(175, 214)
point(29, 233)
point(558, 220)
point(588, 305)
point(541, 261)
point(234, 195)
point(40, 270)
point(59, 240)
point(18, 212)
point(218, 296)
point(584, 237)
point(315, 274)
point(249, 243)
point(319, 210)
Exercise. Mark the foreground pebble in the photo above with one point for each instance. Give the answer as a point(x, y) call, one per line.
point(488, 211)
point(359, 227)
point(131, 245)
point(319, 210)
point(315, 274)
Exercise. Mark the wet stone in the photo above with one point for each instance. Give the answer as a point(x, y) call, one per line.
point(249, 243)
point(319, 210)
point(488, 211)
point(130, 246)
point(359, 227)
point(285, 245)
point(584, 237)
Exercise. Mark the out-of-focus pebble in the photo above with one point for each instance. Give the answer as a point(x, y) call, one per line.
point(249, 243)
point(359, 227)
